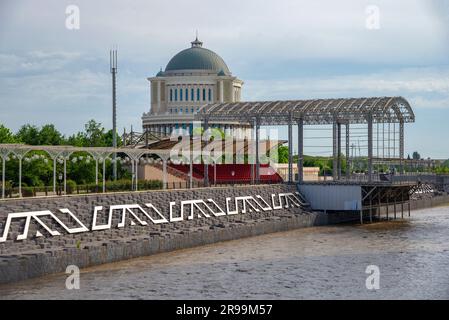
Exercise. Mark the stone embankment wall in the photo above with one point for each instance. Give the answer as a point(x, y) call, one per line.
point(42, 253)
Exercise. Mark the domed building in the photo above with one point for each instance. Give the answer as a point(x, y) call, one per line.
point(193, 77)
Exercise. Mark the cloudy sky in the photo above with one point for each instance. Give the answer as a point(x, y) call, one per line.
point(281, 49)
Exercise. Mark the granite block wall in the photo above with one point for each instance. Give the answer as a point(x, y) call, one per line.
point(40, 255)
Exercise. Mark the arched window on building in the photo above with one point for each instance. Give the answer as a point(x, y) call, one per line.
point(176, 94)
point(198, 94)
point(180, 94)
point(192, 94)
point(171, 94)
point(204, 94)
point(187, 94)
point(210, 95)
point(187, 110)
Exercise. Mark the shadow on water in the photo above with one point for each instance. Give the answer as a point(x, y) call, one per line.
point(384, 225)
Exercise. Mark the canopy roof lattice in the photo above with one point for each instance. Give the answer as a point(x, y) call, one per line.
point(313, 112)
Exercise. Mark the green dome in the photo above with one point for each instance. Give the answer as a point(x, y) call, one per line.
point(197, 58)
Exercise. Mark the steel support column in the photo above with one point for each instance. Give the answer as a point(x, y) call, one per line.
point(300, 150)
point(334, 151)
point(206, 163)
point(401, 145)
point(348, 164)
point(257, 127)
point(339, 151)
point(370, 147)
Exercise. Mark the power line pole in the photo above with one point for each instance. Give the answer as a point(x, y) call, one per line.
point(113, 68)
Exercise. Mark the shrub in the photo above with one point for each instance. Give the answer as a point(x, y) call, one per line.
point(71, 186)
point(27, 192)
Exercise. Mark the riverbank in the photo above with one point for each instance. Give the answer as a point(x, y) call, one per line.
point(437, 201)
point(127, 233)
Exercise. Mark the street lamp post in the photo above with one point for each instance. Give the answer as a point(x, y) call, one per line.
point(60, 182)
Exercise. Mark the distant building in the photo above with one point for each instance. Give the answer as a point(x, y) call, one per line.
point(192, 78)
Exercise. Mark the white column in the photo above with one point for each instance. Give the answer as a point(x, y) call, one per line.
point(104, 174)
point(132, 175)
point(96, 172)
point(65, 175)
point(137, 174)
point(221, 91)
point(164, 173)
point(54, 175)
point(159, 98)
point(3, 176)
point(20, 176)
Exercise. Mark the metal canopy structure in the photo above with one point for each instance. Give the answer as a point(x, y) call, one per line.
point(63, 153)
point(317, 111)
point(163, 149)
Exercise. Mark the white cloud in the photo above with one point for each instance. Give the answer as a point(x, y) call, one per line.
point(407, 82)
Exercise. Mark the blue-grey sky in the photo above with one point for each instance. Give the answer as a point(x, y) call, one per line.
point(281, 49)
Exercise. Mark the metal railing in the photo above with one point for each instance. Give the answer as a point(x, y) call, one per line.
point(44, 191)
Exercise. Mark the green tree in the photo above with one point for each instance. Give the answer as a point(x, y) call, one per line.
point(77, 140)
point(28, 134)
point(94, 134)
point(279, 154)
point(48, 135)
point(107, 138)
point(6, 136)
point(416, 155)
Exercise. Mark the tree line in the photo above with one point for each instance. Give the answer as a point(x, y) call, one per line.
point(37, 167)
point(94, 135)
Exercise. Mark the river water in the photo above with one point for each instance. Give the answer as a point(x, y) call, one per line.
point(315, 263)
